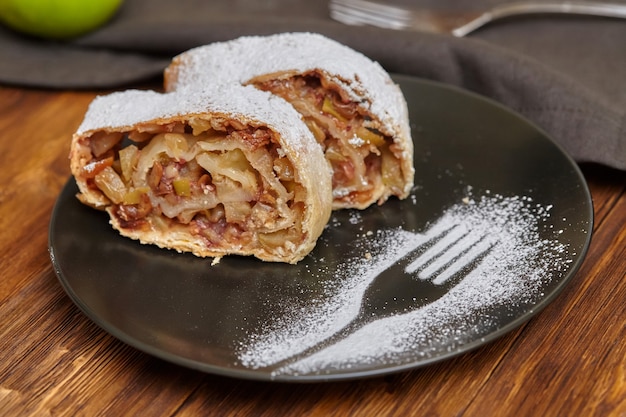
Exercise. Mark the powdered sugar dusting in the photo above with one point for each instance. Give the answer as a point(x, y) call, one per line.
point(507, 274)
point(123, 110)
point(240, 60)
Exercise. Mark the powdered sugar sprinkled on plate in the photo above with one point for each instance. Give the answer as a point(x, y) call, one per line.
point(508, 275)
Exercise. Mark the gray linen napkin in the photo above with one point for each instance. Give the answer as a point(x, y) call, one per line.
point(566, 74)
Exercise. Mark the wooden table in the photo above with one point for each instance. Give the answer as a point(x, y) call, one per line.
point(570, 360)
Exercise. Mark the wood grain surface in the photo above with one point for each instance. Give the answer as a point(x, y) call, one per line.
point(570, 360)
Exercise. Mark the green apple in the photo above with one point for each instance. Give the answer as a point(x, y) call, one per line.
point(56, 19)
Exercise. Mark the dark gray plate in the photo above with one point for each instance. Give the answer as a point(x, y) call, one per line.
point(181, 309)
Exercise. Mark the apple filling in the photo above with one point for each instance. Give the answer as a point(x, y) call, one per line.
point(225, 182)
point(365, 161)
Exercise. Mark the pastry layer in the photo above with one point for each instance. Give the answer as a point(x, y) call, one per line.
point(354, 109)
point(209, 172)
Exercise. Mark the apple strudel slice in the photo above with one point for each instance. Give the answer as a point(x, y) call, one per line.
point(350, 103)
point(212, 173)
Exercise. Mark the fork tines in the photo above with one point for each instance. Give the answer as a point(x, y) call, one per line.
point(459, 248)
point(362, 12)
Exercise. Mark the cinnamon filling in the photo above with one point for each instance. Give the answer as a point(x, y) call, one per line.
point(223, 181)
point(361, 157)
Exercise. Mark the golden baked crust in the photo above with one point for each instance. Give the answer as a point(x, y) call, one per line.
point(210, 173)
point(354, 109)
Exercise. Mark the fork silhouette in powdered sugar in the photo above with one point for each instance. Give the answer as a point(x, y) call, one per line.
point(436, 262)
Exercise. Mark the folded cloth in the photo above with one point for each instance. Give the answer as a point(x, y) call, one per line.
point(565, 74)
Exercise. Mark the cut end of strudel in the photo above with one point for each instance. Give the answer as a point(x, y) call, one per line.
point(231, 171)
point(349, 102)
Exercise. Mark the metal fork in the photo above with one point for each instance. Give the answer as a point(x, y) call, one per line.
point(366, 12)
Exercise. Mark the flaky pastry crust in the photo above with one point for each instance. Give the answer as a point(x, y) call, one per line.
point(213, 173)
point(350, 103)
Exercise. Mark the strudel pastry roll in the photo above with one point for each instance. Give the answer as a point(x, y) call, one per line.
point(212, 173)
point(350, 103)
